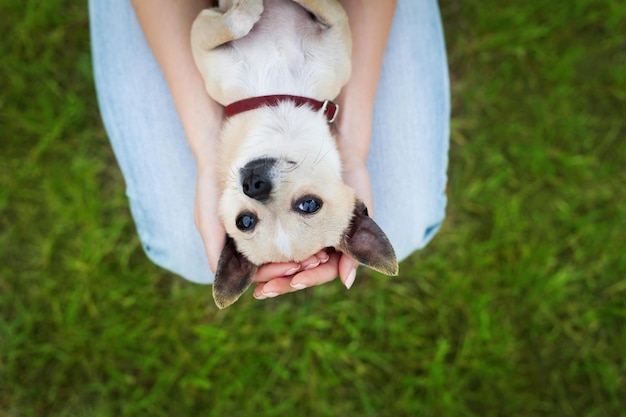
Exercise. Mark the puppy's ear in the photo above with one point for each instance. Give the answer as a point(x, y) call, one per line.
point(233, 277)
point(367, 243)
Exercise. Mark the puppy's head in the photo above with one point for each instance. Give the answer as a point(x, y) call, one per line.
point(283, 199)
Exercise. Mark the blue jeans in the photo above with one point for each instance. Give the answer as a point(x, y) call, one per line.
point(407, 161)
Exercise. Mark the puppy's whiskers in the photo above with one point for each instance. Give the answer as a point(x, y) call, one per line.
point(320, 157)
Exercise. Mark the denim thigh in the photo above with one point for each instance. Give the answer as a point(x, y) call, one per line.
point(407, 161)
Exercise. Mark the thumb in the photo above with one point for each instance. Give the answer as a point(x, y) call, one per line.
point(213, 245)
point(347, 270)
point(213, 236)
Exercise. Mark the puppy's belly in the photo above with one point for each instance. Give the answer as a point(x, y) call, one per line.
point(285, 53)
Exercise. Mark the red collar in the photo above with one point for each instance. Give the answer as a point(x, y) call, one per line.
point(329, 108)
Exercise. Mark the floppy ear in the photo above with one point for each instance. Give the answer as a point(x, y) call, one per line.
point(233, 277)
point(367, 243)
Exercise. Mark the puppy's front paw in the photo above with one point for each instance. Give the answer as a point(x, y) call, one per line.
point(243, 16)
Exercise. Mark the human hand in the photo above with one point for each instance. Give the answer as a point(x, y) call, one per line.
point(206, 215)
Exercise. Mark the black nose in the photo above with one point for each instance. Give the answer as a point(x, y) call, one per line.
point(256, 180)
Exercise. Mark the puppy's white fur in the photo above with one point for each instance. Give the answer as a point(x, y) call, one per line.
point(284, 52)
point(307, 164)
point(252, 48)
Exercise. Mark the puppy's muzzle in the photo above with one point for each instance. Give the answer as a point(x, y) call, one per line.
point(256, 178)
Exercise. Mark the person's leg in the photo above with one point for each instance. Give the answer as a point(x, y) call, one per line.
point(408, 157)
point(148, 140)
point(409, 152)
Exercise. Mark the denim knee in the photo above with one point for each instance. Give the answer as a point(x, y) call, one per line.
point(170, 240)
point(411, 229)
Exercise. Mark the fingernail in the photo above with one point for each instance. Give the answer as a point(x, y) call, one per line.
point(259, 296)
point(292, 271)
point(271, 294)
point(324, 258)
point(311, 266)
point(298, 286)
point(350, 279)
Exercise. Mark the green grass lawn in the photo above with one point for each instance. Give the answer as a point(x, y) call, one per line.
point(517, 308)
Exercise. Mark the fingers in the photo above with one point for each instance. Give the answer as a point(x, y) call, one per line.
point(213, 236)
point(335, 264)
point(214, 246)
point(347, 270)
point(206, 218)
point(314, 261)
point(268, 272)
point(318, 275)
point(273, 289)
point(356, 175)
point(358, 178)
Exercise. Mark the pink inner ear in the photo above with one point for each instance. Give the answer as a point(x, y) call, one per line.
point(234, 275)
point(368, 244)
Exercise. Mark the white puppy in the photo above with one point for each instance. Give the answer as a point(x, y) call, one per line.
point(275, 65)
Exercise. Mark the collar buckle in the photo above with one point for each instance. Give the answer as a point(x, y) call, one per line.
point(330, 110)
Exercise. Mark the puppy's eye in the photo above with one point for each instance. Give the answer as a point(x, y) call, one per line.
point(308, 205)
point(246, 221)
